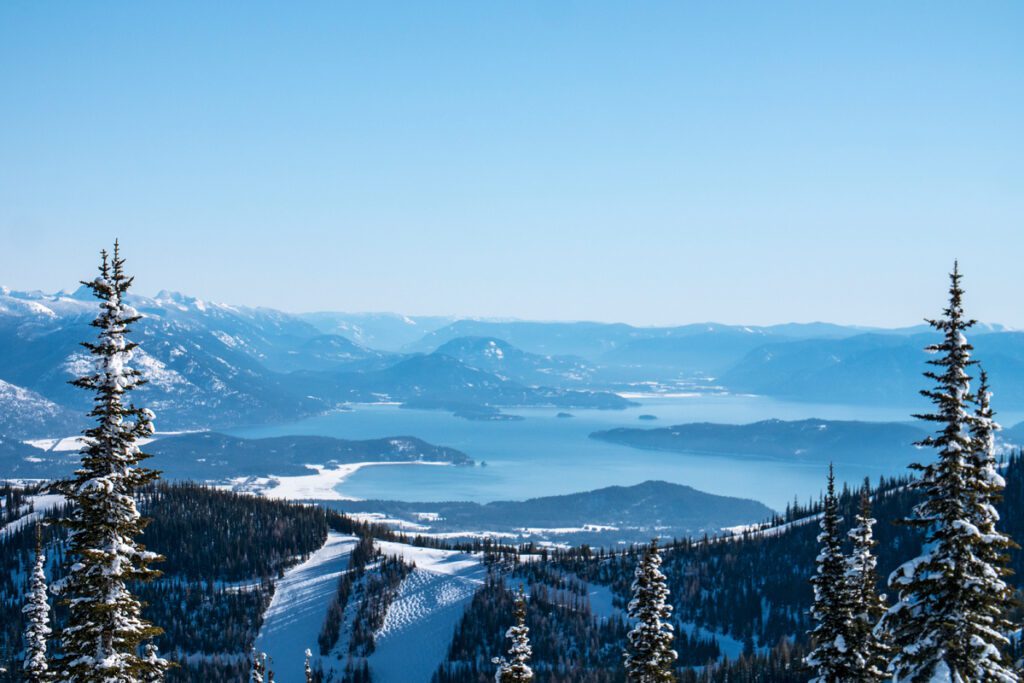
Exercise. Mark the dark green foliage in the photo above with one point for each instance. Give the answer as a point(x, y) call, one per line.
point(832, 609)
point(948, 621)
point(105, 626)
point(568, 642)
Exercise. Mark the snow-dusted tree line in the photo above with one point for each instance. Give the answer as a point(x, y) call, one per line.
point(948, 623)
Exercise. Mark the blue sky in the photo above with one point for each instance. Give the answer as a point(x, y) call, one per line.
point(657, 162)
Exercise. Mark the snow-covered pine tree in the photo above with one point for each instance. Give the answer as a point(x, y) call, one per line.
point(259, 667)
point(867, 653)
point(946, 624)
point(156, 671)
point(36, 669)
point(517, 668)
point(831, 609)
point(649, 657)
point(309, 669)
point(105, 628)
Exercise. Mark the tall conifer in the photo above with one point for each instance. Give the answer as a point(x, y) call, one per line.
point(948, 621)
point(831, 609)
point(866, 651)
point(649, 656)
point(105, 628)
point(36, 669)
point(516, 669)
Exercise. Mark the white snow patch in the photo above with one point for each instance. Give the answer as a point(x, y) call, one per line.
point(322, 485)
point(419, 625)
point(297, 611)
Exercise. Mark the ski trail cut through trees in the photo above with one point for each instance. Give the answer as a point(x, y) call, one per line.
point(297, 611)
point(420, 622)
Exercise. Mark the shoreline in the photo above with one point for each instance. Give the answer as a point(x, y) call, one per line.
point(322, 485)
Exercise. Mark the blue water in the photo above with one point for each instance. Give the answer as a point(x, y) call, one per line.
point(545, 455)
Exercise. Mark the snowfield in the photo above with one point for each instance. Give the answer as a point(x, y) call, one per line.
point(41, 505)
point(322, 484)
point(417, 629)
point(421, 621)
point(297, 611)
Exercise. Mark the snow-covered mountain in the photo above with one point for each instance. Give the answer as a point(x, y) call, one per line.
point(26, 414)
point(213, 365)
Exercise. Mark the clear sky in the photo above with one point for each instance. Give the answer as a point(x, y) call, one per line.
point(654, 162)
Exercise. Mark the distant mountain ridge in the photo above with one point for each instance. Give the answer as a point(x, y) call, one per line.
point(212, 365)
point(218, 458)
point(603, 516)
point(813, 440)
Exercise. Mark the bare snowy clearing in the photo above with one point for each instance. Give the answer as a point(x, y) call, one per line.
point(297, 611)
point(41, 504)
point(321, 485)
point(420, 622)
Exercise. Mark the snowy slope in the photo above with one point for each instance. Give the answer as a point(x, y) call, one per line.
point(40, 506)
point(297, 611)
point(421, 621)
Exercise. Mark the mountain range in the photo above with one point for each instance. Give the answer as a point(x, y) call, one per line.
point(213, 366)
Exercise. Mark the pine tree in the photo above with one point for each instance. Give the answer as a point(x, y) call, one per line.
point(517, 668)
point(105, 627)
point(946, 625)
point(155, 674)
point(867, 653)
point(259, 667)
point(309, 670)
point(831, 607)
point(649, 657)
point(37, 618)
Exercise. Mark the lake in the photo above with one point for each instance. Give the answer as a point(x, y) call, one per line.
point(546, 455)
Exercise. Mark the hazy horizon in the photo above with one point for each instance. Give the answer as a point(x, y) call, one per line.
point(498, 318)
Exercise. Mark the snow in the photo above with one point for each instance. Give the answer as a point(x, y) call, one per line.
point(41, 505)
point(420, 623)
point(322, 485)
point(297, 611)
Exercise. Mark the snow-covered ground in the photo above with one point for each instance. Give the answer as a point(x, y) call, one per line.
point(297, 611)
point(421, 621)
point(320, 485)
point(41, 504)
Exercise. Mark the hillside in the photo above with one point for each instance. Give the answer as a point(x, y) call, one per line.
point(817, 441)
point(604, 517)
point(214, 457)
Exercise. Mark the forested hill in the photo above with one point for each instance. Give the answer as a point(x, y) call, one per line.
point(223, 550)
point(739, 601)
point(751, 588)
point(214, 457)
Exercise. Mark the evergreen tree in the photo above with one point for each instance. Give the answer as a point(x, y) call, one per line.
point(155, 674)
point(259, 667)
point(105, 627)
point(37, 620)
point(309, 670)
point(649, 657)
point(947, 623)
point(866, 652)
point(831, 607)
point(517, 668)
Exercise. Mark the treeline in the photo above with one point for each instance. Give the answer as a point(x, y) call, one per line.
point(222, 551)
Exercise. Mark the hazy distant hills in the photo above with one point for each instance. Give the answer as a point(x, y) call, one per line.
point(870, 368)
point(214, 366)
point(384, 331)
point(604, 516)
point(505, 360)
point(214, 457)
point(817, 441)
